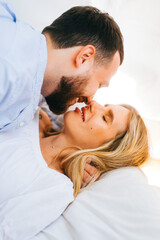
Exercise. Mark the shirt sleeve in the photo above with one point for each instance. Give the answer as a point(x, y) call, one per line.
point(23, 59)
point(13, 97)
point(7, 10)
point(6, 71)
point(25, 216)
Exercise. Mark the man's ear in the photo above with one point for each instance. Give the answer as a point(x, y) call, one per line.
point(86, 53)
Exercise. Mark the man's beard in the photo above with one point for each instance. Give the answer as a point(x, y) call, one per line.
point(68, 89)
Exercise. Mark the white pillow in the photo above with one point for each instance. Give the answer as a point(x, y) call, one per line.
point(121, 205)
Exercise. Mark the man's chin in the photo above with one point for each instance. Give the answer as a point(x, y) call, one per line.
point(62, 108)
point(59, 110)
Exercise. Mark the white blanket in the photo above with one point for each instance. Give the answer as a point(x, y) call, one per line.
point(120, 206)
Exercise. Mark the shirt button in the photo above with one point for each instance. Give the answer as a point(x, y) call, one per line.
point(21, 124)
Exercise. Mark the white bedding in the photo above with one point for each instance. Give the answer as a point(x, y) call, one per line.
point(121, 205)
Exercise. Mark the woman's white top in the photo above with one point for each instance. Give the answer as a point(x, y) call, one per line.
point(31, 194)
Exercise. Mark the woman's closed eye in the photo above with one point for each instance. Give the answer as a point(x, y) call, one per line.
point(109, 117)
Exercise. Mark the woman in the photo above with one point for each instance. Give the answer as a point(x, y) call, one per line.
point(112, 136)
point(34, 192)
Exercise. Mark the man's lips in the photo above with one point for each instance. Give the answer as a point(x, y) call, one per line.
point(86, 100)
point(73, 102)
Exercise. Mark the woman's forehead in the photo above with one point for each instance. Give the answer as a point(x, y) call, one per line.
point(116, 106)
point(121, 116)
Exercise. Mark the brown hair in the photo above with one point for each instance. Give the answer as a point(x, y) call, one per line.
point(83, 25)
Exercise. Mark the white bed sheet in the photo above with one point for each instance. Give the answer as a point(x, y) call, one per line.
point(121, 205)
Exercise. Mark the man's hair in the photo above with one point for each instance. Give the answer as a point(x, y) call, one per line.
point(80, 26)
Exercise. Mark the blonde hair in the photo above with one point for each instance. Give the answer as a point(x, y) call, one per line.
point(127, 149)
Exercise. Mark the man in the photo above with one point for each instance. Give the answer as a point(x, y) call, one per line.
point(73, 57)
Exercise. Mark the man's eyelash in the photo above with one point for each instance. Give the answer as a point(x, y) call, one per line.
point(104, 118)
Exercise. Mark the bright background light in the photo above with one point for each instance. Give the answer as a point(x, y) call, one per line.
point(138, 80)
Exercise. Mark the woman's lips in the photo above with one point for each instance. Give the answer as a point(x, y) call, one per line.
point(81, 112)
point(84, 113)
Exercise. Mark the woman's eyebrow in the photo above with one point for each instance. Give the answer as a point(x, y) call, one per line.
point(110, 113)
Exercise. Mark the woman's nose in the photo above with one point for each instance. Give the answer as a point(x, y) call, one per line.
point(89, 99)
point(93, 105)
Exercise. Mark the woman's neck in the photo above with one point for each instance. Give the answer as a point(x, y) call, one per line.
point(54, 148)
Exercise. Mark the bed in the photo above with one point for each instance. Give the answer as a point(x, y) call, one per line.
point(121, 205)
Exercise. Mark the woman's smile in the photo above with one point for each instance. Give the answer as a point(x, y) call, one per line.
point(82, 112)
point(94, 124)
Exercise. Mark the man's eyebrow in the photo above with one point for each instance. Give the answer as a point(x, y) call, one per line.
point(106, 105)
point(103, 85)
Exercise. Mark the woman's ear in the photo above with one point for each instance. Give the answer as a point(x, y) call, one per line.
point(85, 55)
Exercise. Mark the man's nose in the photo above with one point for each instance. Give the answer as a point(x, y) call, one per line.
point(89, 99)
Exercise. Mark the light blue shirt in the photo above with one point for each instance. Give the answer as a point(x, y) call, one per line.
point(23, 59)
